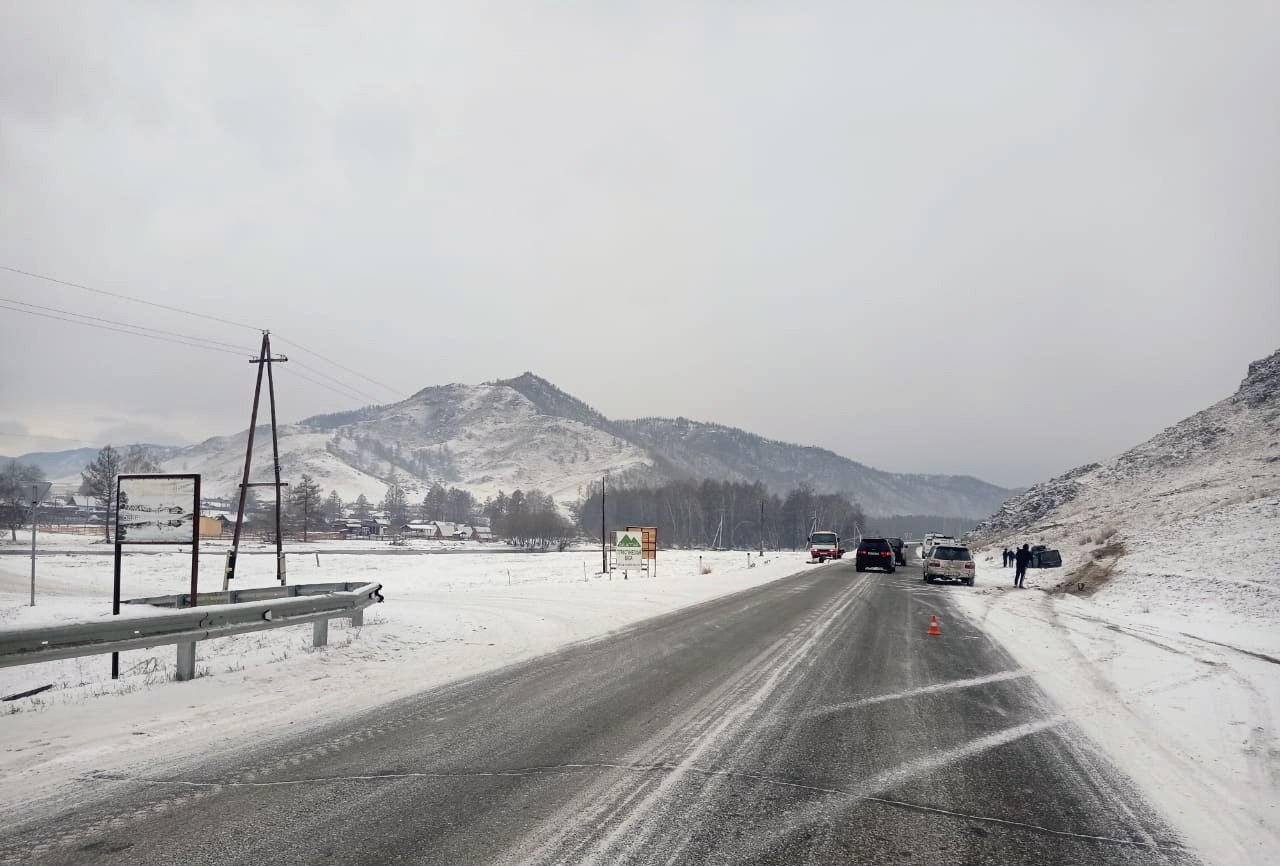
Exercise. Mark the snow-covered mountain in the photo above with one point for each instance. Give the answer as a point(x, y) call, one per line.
point(526, 433)
point(1191, 516)
point(482, 437)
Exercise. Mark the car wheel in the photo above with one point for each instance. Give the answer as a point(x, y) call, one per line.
point(857, 568)
point(892, 569)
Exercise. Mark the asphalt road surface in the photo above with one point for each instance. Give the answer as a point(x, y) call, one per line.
point(811, 720)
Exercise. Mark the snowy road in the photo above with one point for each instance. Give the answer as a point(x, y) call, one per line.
point(810, 720)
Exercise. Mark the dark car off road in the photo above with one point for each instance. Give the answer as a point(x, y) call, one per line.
point(874, 553)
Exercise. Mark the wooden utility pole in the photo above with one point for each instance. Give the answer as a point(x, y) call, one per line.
point(604, 549)
point(264, 360)
point(275, 456)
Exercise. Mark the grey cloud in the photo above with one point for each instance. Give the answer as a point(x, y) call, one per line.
point(1060, 216)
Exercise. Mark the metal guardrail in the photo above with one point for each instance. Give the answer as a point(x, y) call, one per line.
point(240, 596)
point(185, 627)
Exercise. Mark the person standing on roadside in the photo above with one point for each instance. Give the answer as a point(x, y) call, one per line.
point(1020, 560)
point(1004, 556)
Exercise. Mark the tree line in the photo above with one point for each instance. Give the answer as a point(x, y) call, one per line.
point(524, 518)
point(721, 513)
point(528, 519)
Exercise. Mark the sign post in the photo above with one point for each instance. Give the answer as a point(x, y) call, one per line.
point(628, 552)
point(648, 548)
point(35, 492)
point(158, 509)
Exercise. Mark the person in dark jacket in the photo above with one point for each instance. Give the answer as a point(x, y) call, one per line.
point(1005, 557)
point(1020, 560)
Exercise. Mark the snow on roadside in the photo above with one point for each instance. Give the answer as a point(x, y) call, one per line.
point(1181, 695)
point(445, 617)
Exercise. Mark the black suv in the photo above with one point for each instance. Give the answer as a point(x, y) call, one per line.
point(874, 553)
point(898, 555)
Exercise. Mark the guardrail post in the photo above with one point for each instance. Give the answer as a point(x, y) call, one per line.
point(186, 662)
point(320, 632)
point(357, 617)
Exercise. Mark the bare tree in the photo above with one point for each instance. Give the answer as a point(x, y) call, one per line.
point(13, 480)
point(138, 462)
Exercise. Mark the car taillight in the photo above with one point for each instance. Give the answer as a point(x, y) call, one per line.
point(968, 565)
point(935, 562)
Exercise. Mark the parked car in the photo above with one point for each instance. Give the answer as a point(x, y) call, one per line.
point(1044, 557)
point(874, 553)
point(950, 562)
point(899, 555)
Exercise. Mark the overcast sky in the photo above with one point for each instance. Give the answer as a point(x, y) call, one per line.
point(999, 239)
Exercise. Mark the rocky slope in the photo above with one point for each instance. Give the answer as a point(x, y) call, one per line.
point(1193, 513)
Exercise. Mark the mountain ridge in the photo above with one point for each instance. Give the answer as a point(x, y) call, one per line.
point(527, 432)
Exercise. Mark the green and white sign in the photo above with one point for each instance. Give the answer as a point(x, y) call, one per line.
point(628, 551)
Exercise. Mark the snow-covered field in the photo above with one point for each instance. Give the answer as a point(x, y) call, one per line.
point(446, 616)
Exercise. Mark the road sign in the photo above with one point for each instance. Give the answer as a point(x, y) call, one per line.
point(648, 547)
point(36, 491)
point(648, 540)
point(628, 551)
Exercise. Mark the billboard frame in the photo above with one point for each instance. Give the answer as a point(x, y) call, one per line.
point(194, 541)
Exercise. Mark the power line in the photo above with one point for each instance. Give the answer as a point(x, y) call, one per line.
point(170, 335)
point(398, 392)
point(238, 349)
point(4, 306)
point(124, 297)
point(362, 394)
point(336, 390)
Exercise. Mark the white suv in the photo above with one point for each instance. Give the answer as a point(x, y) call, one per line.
point(949, 561)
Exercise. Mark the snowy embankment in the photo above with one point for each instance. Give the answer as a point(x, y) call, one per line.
point(446, 616)
point(1171, 663)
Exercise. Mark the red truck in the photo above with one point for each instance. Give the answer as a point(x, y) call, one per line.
point(824, 545)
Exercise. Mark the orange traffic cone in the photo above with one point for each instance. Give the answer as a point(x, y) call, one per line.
point(933, 626)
